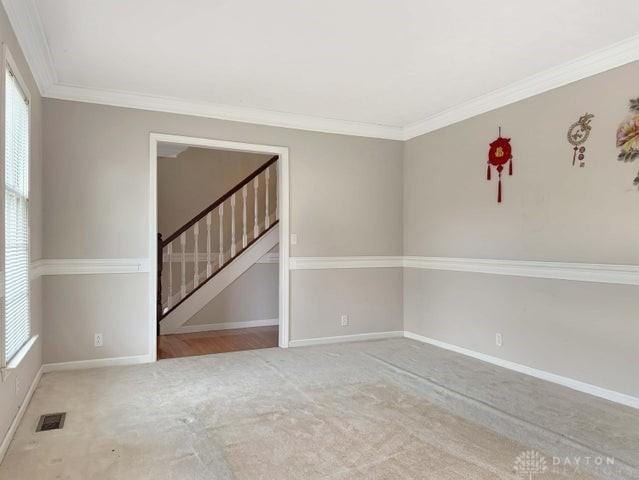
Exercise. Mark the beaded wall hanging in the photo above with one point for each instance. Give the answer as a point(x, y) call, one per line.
point(577, 135)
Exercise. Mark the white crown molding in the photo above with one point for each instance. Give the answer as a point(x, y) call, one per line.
point(222, 112)
point(36, 269)
point(25, 19)
point(170, 150)
point(578, 385)
point(27, 25)
point(580, 272)
point(323, 263)
point(189, 257)
point(89, 266)
point(269, 258)
point(599, 61)
point(26, 22)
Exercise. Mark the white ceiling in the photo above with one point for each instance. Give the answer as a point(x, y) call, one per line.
point(375, 65)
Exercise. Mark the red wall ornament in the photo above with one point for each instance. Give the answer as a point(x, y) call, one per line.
point(499, 154)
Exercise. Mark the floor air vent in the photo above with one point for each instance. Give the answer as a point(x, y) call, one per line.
point(51, 421)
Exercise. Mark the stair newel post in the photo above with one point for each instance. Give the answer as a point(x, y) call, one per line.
point(196, 251)
point(169, 253)
point(256, 227)
point(160, 262)
point(209, 269)
point(221, 255)
point(277, 191)
point(244, 236)
point(183, 265)
point(267, 177)
point(232, 225)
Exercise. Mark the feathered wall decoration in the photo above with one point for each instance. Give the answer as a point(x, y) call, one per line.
point(628, 137)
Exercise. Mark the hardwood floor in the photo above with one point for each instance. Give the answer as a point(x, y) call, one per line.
point(217, 341)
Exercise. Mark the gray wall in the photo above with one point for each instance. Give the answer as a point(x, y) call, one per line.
point(254, 295)
point(368, 296)
point(345, 200)
point(10, 400)
point(355, 196)
point(551, 211)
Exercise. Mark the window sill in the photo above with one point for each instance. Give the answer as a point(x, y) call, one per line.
point(18, 357)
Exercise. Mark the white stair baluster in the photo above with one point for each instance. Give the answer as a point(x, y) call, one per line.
point(196, 235)
point(244, 236)
point(256, 228)
point(221, 255)
point(183, 263)
point(170, 256)
point(232, 225)
point(209, 268)
point(277, 193)
point(267, 175)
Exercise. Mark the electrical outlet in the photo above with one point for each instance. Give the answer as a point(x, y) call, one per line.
point(98, 340)
point(499, 341)
point(293, 238)
point(344, 320)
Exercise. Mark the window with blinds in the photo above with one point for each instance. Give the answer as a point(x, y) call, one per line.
point(17, 329)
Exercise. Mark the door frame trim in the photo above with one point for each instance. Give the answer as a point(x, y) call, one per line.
point(283, 180)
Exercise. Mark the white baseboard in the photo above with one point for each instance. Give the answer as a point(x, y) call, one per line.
point(96, 363)
point(16, 421)
point(360, 337)
point(578, 385)
point(226, 326)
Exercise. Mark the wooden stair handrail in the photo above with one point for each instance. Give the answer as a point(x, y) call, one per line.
point(219, 201)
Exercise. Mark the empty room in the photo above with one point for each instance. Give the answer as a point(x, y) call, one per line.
point(319, 240)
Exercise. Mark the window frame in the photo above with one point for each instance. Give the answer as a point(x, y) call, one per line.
point(9, 64)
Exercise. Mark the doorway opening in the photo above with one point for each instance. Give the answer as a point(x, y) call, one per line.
point(219, 230)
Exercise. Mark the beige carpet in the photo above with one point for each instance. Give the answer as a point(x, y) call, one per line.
point(330, 412)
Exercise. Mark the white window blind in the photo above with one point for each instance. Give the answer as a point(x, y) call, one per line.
point(17, 327)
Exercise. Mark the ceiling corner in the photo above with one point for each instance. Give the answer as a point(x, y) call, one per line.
point(27, 25)
point(599, 61)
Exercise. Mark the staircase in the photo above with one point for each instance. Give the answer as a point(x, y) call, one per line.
point(216, 246)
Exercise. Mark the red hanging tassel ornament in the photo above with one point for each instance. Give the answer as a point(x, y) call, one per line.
point(488, 173)
point(499, 154)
